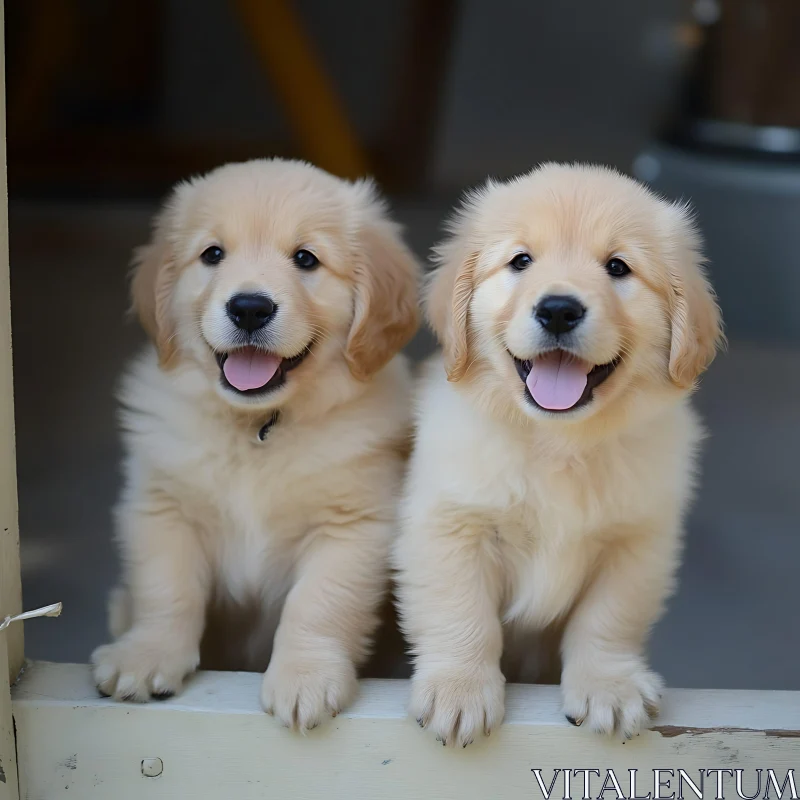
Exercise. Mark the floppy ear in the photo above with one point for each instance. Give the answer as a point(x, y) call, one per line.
point(448, 298)
point(152, 281)
point(386, 313)
point(695, 316)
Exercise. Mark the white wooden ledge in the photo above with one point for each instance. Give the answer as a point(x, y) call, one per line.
point(213, 741)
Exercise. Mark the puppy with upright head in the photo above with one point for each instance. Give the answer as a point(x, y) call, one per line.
point(555, 449)
point(265, 431)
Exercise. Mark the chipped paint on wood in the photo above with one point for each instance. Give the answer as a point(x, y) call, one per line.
point(784, 734)
point(71, 762)
point(670, 731)
point(8, 755)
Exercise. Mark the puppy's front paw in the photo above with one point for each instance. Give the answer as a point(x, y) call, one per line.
point(619, 696)
point(138, 667)
point(458, 703)
point(301, 691)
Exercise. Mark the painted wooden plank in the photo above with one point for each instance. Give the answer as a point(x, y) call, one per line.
point(213, 741)
point(10, 592)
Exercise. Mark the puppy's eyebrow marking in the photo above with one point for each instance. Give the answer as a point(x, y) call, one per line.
point(493, 271)
point(322, 246)
point(496, 251)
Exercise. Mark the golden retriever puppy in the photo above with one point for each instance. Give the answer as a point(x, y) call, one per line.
point(555, 450)
point(265, 432)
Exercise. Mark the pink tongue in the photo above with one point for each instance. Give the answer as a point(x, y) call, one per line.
point(250, 368)
point(557, 380)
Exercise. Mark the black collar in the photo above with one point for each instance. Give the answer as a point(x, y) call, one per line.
point(268, 425)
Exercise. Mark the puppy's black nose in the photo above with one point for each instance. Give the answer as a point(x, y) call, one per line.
point(559, 313)
point(251, 311)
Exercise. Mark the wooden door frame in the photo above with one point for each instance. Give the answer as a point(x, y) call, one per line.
point(10, 586)
point(11, 645)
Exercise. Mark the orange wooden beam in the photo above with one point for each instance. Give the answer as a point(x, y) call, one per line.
point(304, 90)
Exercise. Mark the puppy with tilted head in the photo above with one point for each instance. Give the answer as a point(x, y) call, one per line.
point(554, 457)
point(265, 430)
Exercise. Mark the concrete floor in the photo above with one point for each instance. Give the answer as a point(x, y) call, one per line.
point(732, 624)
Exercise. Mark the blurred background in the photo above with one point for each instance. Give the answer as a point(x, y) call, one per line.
point(110, 103)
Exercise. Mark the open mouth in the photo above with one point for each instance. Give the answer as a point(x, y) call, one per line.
point(559, 381)
point(252, 371)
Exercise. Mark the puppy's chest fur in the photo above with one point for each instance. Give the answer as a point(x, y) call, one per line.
point(241, 496)
point(553, 512)
point(253, 504)
point(560, 518)
point(244, 496)
point(569, 513)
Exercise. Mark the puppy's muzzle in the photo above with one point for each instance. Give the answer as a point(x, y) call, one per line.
point(558, 313)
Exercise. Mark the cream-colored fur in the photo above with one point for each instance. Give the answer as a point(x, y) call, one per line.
point(521, 525)
point(296, 527)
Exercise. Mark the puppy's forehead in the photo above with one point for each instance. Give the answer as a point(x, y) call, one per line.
point(259, 208)
point(569, 210)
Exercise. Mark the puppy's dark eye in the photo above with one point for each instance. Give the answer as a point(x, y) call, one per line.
point(305, 259)
point(212, 255)
point(520, 262)
point(617, 268)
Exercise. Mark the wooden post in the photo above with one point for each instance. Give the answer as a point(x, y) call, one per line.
point(10, 593)
point(414, 117)
point(10, 587)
